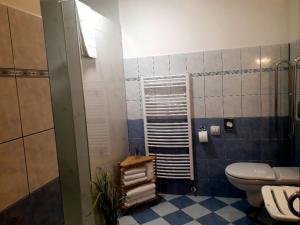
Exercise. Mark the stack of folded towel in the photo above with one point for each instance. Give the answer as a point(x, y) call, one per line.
point(140, 194)
point(150, 170)
point(134, 176)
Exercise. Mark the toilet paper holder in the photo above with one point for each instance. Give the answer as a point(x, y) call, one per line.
point(203, 128)
point(203, 135)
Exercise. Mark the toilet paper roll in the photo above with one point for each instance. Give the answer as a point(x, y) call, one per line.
point(203, 137)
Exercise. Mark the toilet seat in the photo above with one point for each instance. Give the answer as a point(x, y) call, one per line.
point(251, 171)
point(261, 173)
point(287, 175)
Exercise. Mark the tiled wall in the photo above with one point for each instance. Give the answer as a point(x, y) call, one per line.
point(232, 83)
point(295, 51)
point(105, 101)
point(27, 143)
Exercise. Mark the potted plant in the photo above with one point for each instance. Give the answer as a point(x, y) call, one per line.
point(106, 197)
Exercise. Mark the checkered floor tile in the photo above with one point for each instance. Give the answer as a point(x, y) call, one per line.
point(194, 210)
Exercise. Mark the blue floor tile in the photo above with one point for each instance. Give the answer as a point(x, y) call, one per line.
point(212, 219)
point(242, 205)
point(145, 216)
point(178, 218)
point(246, 221)
point(182, 202)
point(213, 204)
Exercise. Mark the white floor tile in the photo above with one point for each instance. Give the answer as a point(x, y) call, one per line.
point(196, 211)
point(230, 214)
point(198, 198)
point(127, 220)
point(164, 208)
point(159, 221)
point(169, 197)
point(194, 222)
point(228, 201)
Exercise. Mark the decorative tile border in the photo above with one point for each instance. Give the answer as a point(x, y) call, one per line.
point(219, 73)
point(31, 73)
point(7, 72)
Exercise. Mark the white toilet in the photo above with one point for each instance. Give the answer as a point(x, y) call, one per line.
point(250, 177)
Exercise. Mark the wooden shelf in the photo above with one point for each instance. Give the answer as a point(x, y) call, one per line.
point(130, 163)
point(135, 160)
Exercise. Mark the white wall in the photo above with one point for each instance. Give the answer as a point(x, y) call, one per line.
point(107, 8)
point(160, 27)
point(294, 17)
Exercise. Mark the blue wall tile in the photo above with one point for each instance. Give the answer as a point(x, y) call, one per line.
point(252, 140)
point(201, 169)
point(136, 143)
point(42, 207)
point(174, 186)
point(135, 129)
point(296, 158)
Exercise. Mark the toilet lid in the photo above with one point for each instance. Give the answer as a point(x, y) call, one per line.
point(287, 175)
point(251, 171)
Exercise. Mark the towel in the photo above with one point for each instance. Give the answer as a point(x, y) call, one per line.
point(135, 170)
point(135, 181)
point(141, 189)
point(134, 176)
point(128, 204)
point(150, 170)
point(140, 195)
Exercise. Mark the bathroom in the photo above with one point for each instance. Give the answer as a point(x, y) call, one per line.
point(205, 92)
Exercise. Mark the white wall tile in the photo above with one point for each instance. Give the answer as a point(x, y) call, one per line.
point(298, 82)
point(131, 68)
point(284, 105)
point(297, 102)
point(198, 108)
point(161, 65)
point(232, 84)
point(214, 107)
point(250, 58)
point(269, 55)
point(251, 84)
point(178, 64)
point(232, 106)
point(251, 106)
point(267, 82)
point(267, 105)
point(146, 66)
point(294, 49)
point(284, 51)
point(134, 110)
point(195, 62)
point(132, 90)
point(231, 59)
point(283, 81)
point(213, 85)
point(198, 86)
point(213, 61)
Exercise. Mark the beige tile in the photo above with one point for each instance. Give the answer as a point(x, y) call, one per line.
point(198, 108)
point(10, 125)
point(214, 107)
point(13, 178)
point(41, 159)
point(6, 58)
point(232, 106)
point(35, 104)
point(251, 106)
point(28, 40)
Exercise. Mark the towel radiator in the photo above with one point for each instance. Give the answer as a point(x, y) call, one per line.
point(167, 124)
